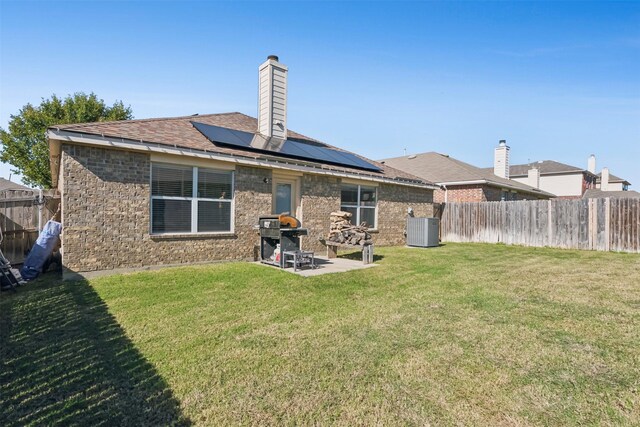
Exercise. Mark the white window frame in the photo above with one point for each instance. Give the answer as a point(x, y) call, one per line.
point(295, 184)
point(358, 207)
point(194, 202)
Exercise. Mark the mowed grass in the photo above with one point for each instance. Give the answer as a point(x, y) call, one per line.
point(464, 334)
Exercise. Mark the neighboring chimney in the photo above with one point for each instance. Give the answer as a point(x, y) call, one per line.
point(591, 164)
point(533, 177)
point(501, 160)
point(604, 180)
point(272, 98)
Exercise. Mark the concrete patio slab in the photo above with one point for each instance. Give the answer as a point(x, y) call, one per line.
point(325, 265)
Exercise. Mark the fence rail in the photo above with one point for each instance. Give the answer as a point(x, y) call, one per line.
point(594, 224)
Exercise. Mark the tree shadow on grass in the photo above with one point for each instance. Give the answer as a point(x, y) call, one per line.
point(65, 360)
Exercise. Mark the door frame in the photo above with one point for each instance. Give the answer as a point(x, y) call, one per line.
point(294, 181)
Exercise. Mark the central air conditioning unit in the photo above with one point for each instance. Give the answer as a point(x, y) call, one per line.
point(423, 232)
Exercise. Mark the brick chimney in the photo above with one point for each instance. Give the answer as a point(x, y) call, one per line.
point(272, 98)
point(591, 164)
point(501, 160)
point(533, 177)
point(604, 179)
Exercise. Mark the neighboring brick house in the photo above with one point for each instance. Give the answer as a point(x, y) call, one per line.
point(462, 182)
point(190, 189)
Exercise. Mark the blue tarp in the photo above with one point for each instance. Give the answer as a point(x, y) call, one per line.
point(41, 251)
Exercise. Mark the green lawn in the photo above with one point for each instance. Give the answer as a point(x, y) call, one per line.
point(463, 334)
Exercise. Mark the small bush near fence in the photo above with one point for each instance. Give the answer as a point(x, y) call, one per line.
point(595, 224)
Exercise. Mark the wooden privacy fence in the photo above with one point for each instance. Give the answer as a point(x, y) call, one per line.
point(19, 220)
point(609, 224)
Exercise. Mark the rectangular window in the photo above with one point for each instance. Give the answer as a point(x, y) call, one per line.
point(187, 199)
point(361, 202)
point(284, 198)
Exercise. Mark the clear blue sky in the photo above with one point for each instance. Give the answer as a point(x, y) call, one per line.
point(557, 80)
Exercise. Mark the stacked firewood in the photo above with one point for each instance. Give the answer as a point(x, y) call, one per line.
point(343, 232)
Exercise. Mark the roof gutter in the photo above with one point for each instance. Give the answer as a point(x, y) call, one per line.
point(57, 136)
point(477, 181)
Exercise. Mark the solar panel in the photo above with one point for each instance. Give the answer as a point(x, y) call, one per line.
point(287, 148)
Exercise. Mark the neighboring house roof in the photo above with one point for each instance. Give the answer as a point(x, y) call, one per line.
point(5, 184)
point(445, 170)
point(615, 179)
point(546, 167)
point(178, 132)
point(597, 194)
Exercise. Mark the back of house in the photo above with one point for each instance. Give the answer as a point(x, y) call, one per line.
point(191, 189)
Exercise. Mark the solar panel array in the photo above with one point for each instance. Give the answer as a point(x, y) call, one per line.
point(287, 148)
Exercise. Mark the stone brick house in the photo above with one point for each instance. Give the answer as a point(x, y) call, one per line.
point(463, 182)
point(190, 189)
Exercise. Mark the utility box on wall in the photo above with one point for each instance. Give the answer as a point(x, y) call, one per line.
point(423, 232)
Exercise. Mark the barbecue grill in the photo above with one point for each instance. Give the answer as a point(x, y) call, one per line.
point(272, 233)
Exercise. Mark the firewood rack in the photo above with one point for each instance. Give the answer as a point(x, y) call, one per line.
point(367, 250)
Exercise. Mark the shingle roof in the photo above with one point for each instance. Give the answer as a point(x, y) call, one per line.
point(441, 169)
point(5, 184)
point(546, 167)
point(179, 132)
point(597, 194)
point(613, 178)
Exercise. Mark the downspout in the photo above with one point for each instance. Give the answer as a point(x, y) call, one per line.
point(444, 187)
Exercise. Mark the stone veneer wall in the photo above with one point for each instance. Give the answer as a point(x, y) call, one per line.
point(106, 213)
point(393, 204)
point(320, 197)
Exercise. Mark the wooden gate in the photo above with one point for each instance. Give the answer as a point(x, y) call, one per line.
point(19, 216)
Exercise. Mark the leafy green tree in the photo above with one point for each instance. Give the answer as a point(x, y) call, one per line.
point(25, 146)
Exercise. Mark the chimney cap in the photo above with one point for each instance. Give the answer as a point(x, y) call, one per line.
point(274, 57)
point(502, 142)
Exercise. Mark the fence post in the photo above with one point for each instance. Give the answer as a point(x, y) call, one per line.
point(592, 222)
point(549, 225)
point(607, 224)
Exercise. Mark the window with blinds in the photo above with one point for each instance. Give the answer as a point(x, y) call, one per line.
point(361, 202)
point(187, 199)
